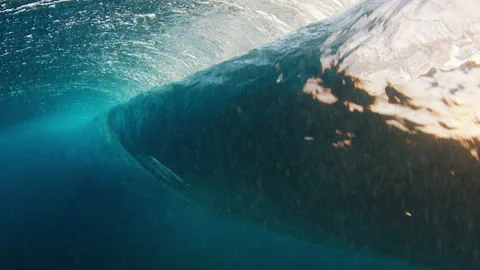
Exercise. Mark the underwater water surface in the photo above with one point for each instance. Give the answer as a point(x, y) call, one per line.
point(174, 135)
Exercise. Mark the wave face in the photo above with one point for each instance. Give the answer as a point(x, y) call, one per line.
point(322, 134)
point(58, 55)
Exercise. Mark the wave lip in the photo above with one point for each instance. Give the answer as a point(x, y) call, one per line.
point(307, 136)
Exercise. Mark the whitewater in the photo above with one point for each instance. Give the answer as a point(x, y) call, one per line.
point(239, 135)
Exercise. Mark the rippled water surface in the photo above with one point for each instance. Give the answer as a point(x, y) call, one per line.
point(89, 55)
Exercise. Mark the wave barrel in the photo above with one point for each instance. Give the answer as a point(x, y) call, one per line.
point(314, 149)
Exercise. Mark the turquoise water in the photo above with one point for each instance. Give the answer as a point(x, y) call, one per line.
point(73, 200)
point(83, 180)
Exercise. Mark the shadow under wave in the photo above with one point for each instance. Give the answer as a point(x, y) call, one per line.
point(72, 198)
point(276, 138)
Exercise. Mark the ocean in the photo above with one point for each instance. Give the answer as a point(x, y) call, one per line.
point(222, 134)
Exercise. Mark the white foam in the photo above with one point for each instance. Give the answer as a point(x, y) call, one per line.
point(29, 6)
point(406, 40)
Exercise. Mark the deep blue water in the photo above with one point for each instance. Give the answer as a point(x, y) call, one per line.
point(70, 196)
point(72, 201)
